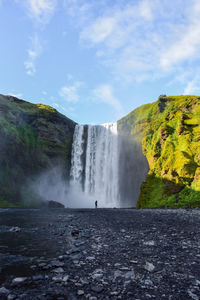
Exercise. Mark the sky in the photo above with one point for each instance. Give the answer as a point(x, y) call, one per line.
point(97, 60)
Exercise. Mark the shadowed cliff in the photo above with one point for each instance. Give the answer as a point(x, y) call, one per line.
point(33, 139)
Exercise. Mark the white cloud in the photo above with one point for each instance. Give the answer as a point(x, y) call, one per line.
point(40, 10)
point(69, 111)
point(104, 93)
point(99, 30)
point(192, 86)
point(33, 53)
point(146, 9)
point(141, 39)
point(70, 93)
point(187, 43)
point(122, 34)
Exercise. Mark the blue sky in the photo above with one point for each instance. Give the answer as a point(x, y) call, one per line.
point(95, 61)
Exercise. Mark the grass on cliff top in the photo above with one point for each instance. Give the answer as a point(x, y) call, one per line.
point(148, 117)
point(12, 105)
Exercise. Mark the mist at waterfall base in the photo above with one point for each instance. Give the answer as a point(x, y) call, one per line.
point(106, 167)
point(53, 185)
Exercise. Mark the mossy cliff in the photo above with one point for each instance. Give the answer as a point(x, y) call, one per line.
point(33, 138)
point(169, 131)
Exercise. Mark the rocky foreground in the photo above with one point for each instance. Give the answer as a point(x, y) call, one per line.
point(99, 254)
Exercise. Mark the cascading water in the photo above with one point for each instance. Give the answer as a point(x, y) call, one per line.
point(77, 152)
point(94, 165)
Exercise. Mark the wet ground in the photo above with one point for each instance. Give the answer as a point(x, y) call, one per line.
point(100, 254)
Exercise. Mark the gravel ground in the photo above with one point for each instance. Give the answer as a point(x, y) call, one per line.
point(100, 254)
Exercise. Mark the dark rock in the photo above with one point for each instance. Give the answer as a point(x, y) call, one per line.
point(75, 232)
point(15, 229)
point(55, 204)
point(38, 277)
point(4, 291)
point(97, 288)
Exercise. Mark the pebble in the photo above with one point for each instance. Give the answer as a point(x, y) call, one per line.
point(15, 229)
point(19, 280)
point(75, 232)
point(117, 265)
point(80, 292)
point(90, 258)
point(84, 281)
point(11, 297)
point(65, 278)
point(97, 276)
point(4, 291)
point(58, 270)
point(97, 288)
point(192, 295)
point(149, 243)
point(37, 277)
point(57, 263)
point(149, 267)
point(117, 274)
point(57, 278)
point(129, 275)
point(133, 261)
point(148, 282)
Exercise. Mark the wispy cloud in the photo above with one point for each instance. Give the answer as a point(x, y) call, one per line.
point(187, 43)
point(70, 93)
point(33, 53)
point(139, 40)
point(193, 86)
point(104, 93)
point(39, 10)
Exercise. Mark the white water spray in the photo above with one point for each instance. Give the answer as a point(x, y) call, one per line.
point(94, 165)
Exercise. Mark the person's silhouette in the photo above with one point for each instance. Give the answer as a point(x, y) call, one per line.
point(96, 204)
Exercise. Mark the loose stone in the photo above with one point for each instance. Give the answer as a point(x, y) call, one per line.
point(149, 267)
point(80, 292)
point(19, 280)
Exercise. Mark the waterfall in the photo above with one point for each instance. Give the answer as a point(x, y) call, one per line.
point(94, 164)
point(77, 151)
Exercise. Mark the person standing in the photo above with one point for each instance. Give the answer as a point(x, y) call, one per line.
point(96, 204)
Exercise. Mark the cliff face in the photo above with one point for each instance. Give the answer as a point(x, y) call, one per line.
point(169, 132)
point(33, 138)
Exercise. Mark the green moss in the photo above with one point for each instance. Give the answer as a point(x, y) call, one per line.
point(46, 108)
point(28, 135)
point(158, 193)
point(169, 130)
point(6, 204)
